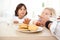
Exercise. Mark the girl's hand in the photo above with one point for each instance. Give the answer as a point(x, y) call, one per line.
point(15, 22)
point(26, 21)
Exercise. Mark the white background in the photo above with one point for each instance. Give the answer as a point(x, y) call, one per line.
point(34, 7)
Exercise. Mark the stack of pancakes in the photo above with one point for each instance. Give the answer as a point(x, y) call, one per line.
point(25, 27)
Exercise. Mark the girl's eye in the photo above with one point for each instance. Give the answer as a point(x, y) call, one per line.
point(24, 9)
point(20, 9)
point(46, 13)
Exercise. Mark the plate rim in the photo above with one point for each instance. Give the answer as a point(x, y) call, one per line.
point(31, 31)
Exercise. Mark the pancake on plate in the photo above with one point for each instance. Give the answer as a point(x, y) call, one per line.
point(32, 27)
point(23, 26)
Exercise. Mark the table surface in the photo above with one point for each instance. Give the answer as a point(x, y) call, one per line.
point(8, 32)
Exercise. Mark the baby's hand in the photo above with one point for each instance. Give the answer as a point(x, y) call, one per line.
point(26, 21)
point(37, 23)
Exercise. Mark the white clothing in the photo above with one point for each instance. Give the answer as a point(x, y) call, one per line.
point(55, 29)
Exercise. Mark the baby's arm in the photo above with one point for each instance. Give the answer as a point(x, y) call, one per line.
point(38, 23)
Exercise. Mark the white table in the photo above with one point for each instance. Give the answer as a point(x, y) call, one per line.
point(8, 32)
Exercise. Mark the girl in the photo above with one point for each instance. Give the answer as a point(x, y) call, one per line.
point(20, 14)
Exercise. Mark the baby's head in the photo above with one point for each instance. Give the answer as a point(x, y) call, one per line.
point(21, 10)
point(48, 12)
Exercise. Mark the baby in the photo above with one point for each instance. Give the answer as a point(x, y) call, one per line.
point(45, 16)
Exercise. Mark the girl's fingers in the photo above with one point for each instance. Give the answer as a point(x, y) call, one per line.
point(26, 21)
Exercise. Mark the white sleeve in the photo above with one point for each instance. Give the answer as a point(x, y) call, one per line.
point(55, 29)
point(53, 26)
point(15, 19)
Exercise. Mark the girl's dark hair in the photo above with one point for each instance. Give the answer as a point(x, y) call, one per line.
point(18, 7)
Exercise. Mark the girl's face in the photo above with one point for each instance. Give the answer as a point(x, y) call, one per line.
point(46, 13)
point(22, 12)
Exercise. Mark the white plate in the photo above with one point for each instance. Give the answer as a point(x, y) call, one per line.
point(39, 30)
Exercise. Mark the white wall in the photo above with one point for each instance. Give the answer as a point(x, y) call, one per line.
point(7, 7)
